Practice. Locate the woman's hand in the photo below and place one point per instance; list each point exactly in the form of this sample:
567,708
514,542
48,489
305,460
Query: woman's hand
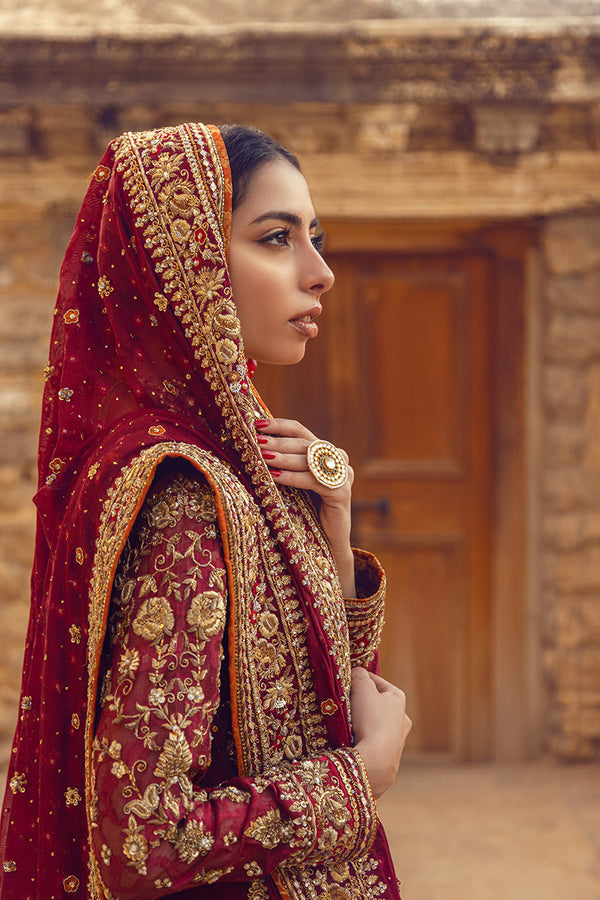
380,726
283,444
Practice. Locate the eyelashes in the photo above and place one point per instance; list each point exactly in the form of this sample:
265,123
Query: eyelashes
318,242
281,238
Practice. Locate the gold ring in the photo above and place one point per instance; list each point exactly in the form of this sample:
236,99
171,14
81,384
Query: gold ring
327,464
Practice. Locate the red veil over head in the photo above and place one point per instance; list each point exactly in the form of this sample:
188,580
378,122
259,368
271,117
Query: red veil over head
146,357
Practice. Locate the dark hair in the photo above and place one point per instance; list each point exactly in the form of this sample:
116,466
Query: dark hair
248,149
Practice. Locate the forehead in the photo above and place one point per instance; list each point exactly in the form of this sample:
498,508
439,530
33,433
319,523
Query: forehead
276,186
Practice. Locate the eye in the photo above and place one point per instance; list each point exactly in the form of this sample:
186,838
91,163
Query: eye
279,238
318,242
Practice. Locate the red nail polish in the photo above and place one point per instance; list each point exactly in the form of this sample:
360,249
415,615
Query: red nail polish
262,439
266,454
275,473
261,423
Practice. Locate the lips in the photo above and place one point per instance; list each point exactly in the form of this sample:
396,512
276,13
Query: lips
306,324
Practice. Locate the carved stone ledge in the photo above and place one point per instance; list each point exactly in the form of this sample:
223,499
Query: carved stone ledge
506,129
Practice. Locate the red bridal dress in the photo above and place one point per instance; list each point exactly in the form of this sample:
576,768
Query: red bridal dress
184,726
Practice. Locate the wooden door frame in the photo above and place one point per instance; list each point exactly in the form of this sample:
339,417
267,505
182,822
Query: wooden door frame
511,247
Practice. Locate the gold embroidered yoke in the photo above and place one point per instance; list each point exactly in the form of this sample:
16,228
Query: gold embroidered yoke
169,809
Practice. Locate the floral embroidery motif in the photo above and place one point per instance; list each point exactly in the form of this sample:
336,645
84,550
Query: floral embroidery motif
71,884
18,783
193,841
269,830
9,865
75,633
154,619
161,301
79,556
135,846
101,173
57,465
75,721
71,317
72,796
92,470
26,703
104,286
87,258
156,430
65,394
329,707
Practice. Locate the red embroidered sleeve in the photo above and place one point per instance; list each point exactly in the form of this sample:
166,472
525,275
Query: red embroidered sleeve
168,811
365,612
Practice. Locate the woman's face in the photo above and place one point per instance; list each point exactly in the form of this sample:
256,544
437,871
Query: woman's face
277,273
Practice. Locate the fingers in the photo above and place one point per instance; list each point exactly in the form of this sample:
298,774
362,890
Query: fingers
288,428
283,444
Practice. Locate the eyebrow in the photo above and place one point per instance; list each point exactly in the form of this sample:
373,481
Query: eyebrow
289,217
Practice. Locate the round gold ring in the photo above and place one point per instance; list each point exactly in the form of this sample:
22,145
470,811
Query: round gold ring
327,464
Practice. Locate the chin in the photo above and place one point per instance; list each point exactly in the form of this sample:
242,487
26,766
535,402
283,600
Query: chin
281,358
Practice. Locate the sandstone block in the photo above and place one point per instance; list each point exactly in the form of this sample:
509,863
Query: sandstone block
564,445
573,339
565,391
564,489
574,572
568,531
575,669
571,243
576,293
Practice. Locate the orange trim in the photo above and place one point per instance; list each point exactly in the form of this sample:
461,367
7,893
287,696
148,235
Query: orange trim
227,184
280,886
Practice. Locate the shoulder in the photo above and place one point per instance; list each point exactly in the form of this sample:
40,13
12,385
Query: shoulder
178,489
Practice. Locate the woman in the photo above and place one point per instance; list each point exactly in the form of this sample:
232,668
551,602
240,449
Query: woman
192,669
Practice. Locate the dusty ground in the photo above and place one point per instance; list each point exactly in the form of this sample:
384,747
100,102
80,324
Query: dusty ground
495,832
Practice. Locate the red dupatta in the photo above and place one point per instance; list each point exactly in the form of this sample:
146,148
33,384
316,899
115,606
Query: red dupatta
146,353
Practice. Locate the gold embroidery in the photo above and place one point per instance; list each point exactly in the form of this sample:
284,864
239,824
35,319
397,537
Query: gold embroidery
72,796
71,884
269,830
101,173
192,841
104,286
18,783
329,707
154,619
75,633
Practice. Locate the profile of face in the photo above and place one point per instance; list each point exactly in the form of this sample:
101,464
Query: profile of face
277,272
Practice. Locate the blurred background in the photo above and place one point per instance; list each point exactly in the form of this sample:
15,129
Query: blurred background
453,152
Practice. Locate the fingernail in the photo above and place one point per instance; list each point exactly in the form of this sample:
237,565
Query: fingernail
275,473
261,423
267,455
262,439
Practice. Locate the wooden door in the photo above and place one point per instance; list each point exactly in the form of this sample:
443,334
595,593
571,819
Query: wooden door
403,377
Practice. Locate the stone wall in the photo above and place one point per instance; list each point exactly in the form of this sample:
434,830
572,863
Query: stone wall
570,570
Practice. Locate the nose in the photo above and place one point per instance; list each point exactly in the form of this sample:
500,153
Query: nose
318,276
